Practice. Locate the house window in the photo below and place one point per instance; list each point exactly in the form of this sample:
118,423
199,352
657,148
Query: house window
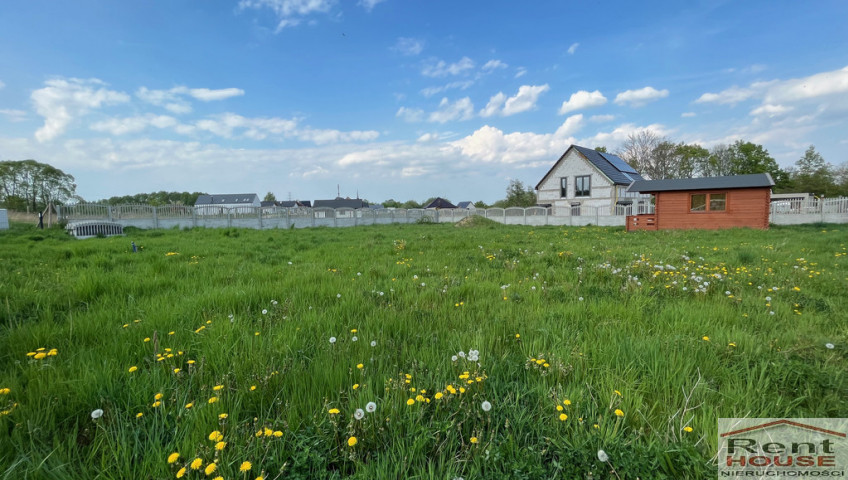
563,187
583,186
717,202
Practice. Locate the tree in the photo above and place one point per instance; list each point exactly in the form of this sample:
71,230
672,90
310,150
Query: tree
747,157
410,204
638,151
601,149
718,164
480,204
37,184
270,197
392,203
519,196
690,158
813,175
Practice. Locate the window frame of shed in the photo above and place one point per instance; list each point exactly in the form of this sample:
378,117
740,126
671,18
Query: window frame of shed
708,202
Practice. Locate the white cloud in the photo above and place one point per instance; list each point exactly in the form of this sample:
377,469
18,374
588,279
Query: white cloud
573,48
462,109
601,118
620,133
442,69
122,126
582,99
408,46
208,95
462,85
428,137
637,98
520,72
687,114
770,110
62,100
522,101
174,100
369,4
13,115
289,12
493,65
410,114
814,86
730,96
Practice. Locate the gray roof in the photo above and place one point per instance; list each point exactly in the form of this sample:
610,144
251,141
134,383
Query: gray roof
440,202
464,204
226,199
612,166
339,202
754,180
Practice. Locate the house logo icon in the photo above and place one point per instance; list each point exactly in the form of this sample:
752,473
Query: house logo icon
782,447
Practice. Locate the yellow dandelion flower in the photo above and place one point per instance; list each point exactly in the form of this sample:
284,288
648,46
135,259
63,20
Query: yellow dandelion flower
245,466
218,478
217,387
40,355
252,388
731,344
687,429
215,436
566,402
618,393
223,416
196,464
268,432
705,338
181,472
210,468
333,411
190,362
474,440
355,386
461,389
563,417
260,477
158,396
410,401
619,413
133,368
517,335
176,370
172,458
220,446
189,404
438,395
352,330
213,400
559,408
360,366
156,404
146,339
278,433
351,441
139,415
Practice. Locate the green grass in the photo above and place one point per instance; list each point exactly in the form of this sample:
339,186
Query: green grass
577,314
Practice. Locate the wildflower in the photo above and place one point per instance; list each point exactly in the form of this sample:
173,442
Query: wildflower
566,402
486,406
373,343
138,415
563,417
705,338
559,408
172,458
354,338
517,335
355,386
40,355
332,340
189,404
439,395
619,413
217,387
410,402
371,407
213,400
252,388
245,466
158,396
596,426
351,441
220,446
333,411
210,468
829,346
474,440
133,368
176,370
181,472
731,344
278,433
454,358
617,393
216,436
687,429
360,366
156,404
264,311
146,339
602,456
95,414
196,463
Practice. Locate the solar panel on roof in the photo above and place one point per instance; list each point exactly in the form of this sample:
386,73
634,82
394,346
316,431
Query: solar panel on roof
618,163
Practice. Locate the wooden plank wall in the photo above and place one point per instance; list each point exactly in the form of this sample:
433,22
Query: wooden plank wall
747,207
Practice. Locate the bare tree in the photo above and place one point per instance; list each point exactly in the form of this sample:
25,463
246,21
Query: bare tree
638,151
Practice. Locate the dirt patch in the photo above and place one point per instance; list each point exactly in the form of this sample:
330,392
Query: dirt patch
475,221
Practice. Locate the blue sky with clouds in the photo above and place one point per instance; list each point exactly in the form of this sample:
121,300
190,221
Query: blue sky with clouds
403,99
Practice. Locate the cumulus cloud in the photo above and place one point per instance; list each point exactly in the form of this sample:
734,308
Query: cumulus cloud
573,48
13,115
289,12
637,98
495,105
62,100
582,99
493,65
442,69
522,101
462,109
408,46
411,115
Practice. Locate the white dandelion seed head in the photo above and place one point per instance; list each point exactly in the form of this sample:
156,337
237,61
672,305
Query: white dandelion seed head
461,354
454,358
580,298
290,263
829,346
768,299
359,414
264,312
602,456
95,414
423,284
338,295
273,302
473,358
486,406
381,294
774,289
332,339
373,343
354,338
358,274
771,313
415,277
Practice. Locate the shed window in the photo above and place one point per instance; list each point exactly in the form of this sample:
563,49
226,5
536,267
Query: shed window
583,186
708,202
563,187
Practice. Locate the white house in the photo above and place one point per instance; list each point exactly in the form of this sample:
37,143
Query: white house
219,203
585,182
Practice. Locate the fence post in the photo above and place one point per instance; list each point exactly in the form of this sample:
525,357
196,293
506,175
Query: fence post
525,216
193,217
355,218
229,218
155,218
288,218
109,210
260,218
546,215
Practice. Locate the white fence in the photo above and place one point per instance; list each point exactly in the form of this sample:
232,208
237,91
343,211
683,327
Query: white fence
834,210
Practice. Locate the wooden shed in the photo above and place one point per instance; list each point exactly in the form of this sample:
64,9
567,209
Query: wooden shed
736,201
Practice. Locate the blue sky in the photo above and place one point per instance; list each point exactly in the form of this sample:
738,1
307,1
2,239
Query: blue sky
403,99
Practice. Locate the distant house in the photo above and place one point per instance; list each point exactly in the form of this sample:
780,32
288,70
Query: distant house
440,202
221,203
583,177
466,205
294,203
708,203
339,202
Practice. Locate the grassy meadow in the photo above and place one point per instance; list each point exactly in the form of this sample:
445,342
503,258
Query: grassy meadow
410,351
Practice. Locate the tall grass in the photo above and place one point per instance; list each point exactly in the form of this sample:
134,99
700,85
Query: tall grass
671,329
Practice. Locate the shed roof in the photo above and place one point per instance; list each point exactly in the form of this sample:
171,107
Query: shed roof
754,180
226,199
465,205
612,166
440,202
